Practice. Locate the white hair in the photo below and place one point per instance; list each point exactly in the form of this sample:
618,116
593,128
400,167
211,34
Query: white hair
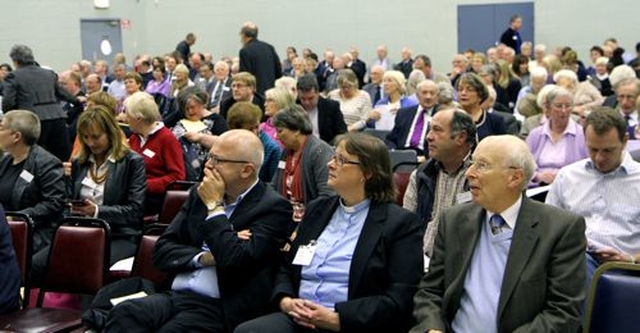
538,72
565,74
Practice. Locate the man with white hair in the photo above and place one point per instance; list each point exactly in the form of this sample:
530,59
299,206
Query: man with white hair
504,262
538,78
618,74
406,64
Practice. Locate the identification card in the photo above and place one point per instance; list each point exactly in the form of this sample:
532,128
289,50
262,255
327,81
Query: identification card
26,175
463,197
148,153
305,254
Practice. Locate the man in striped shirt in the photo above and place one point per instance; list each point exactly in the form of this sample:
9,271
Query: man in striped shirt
604,189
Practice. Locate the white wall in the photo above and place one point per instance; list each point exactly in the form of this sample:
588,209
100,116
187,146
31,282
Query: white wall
52,27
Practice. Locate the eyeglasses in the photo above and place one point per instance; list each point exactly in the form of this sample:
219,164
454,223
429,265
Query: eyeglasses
238,85
215,159
482,166
340,160
562,106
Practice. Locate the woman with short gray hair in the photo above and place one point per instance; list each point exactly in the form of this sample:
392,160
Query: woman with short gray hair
302,173
31,178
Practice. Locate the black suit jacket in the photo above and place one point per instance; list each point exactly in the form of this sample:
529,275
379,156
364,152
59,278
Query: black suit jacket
360,69
543,285
43,197
261,60
386,266
330,120
401,128
124,193
246,269
32,88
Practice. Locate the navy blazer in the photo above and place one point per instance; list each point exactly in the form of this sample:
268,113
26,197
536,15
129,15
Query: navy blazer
402,127
261,60
386,266
43,197
246,269
330,120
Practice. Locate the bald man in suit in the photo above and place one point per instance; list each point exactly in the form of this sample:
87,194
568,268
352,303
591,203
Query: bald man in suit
504,262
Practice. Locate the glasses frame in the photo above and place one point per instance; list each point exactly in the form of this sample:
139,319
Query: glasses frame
341,160
215,159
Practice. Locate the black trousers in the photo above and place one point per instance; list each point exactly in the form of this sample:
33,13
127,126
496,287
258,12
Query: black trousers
167,312
54,137
277,322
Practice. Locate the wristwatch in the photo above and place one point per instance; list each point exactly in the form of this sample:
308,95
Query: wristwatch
211,206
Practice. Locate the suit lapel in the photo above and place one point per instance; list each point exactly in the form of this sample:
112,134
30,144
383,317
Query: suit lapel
316,222
249,202
369,237
112,183
408,119
523,244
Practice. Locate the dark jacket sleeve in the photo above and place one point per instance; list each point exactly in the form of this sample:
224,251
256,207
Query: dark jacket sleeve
135,185
403,267
50,182
9,97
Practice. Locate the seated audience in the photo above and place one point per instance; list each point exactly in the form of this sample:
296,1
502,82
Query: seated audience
604,190
627,92
511,123
509,83
275,100
193,131
363,259
558,142
355,104
585,95
243,89
538,78
302,175
9,270
245,115
439,183
472,92
326,118
374,87
31,179
540,103
504,263
180,80
384,112
221,278
600,77
158,147
411,123
159,84
107,180
618,74
287,83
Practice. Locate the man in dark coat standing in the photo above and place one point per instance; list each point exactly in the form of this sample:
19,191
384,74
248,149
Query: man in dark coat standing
184,47
32,88
258,58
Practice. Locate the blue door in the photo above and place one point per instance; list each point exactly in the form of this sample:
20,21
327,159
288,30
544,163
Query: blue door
480,26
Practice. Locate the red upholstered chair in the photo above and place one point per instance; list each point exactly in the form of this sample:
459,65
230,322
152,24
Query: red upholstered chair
78,262
401,174
21,226
143,262
175,196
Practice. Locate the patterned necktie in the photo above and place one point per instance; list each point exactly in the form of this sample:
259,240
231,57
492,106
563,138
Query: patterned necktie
217,93
496,222
416,137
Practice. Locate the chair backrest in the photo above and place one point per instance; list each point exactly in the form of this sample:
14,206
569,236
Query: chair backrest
401,157
79,257
380,134
21,226
613,303
143,262
401,174
175,196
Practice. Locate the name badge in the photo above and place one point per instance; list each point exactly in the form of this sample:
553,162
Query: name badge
148,153
305,254
463,197
282,164
26,175
225,88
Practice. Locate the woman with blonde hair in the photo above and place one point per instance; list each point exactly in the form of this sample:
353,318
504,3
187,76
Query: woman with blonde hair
276,99
181,74
384,112
107,180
